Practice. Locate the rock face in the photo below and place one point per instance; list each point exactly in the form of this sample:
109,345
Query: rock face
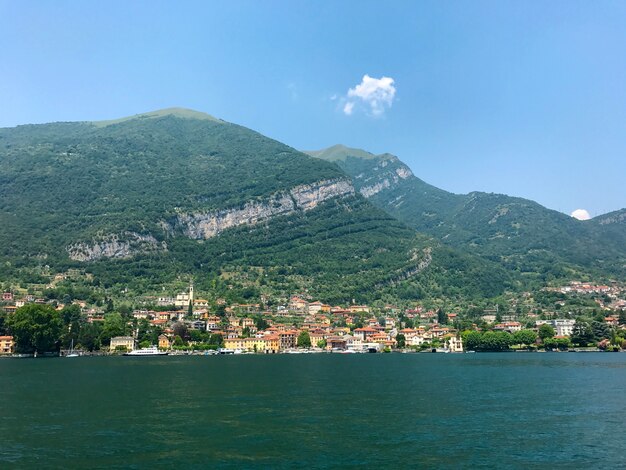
385,175
115,246
205,225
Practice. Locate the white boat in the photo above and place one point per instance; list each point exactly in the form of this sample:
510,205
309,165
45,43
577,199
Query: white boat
72,353
151,351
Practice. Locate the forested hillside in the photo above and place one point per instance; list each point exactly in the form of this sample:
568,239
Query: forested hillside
144,201
520,235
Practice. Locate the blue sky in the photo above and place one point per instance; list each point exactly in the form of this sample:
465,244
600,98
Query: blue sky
523,98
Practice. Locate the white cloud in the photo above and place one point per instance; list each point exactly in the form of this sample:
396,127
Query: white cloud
581,214
375,94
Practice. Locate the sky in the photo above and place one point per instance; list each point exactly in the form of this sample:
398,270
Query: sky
526,98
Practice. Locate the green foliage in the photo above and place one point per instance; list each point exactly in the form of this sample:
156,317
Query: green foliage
36,328
536,245
524,337
487,341
90,181
89,336
400,340
113,325
546,331
562,344
582,333
304,340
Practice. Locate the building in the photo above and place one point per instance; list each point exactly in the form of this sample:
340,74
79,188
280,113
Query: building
562,326
119,342
288,339
455,344
164,342
6,344
185,298
510,326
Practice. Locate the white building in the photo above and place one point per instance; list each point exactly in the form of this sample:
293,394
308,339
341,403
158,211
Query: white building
184,298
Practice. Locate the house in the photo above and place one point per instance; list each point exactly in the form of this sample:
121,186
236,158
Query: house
165,301
359,308
336,343
164,342
269,344
197,325
213,323
510,326
247,322
612,321
364,333
7,296
122,342
10,309
296,304
315,307
6,344
288,339
562,326
454,344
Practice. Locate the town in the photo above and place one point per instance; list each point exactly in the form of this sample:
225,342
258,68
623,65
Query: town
188,324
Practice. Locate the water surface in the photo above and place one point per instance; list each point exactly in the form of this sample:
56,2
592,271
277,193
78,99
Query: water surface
514,410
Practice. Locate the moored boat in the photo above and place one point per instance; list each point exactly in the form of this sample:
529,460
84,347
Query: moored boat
151,351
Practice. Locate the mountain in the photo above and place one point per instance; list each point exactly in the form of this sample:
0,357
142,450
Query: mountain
143,202
520,235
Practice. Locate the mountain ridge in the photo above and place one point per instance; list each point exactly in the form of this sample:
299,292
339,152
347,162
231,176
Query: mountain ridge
142,201
513,231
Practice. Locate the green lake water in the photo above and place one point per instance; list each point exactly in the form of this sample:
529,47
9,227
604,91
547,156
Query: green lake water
509,410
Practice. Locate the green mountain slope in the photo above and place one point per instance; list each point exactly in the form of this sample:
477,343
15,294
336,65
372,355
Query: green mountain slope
139,202
520,235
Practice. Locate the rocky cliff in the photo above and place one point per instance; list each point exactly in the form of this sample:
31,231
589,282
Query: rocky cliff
205,225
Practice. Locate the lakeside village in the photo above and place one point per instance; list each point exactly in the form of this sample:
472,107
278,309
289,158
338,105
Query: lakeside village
186,324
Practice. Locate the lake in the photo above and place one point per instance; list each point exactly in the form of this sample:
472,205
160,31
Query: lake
507,410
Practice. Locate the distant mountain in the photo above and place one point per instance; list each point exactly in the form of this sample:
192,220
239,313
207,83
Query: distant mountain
150,199
519,234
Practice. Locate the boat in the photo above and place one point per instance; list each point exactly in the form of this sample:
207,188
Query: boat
72,353
151,351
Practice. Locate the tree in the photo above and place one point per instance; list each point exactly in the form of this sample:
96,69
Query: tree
494,341
582,333
321,343
261,324
113,325
546,331
36,328
400,340
622,317
600,330
180,329
471,339
442,318
557,343
304,340
216,339
526,337
89,337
